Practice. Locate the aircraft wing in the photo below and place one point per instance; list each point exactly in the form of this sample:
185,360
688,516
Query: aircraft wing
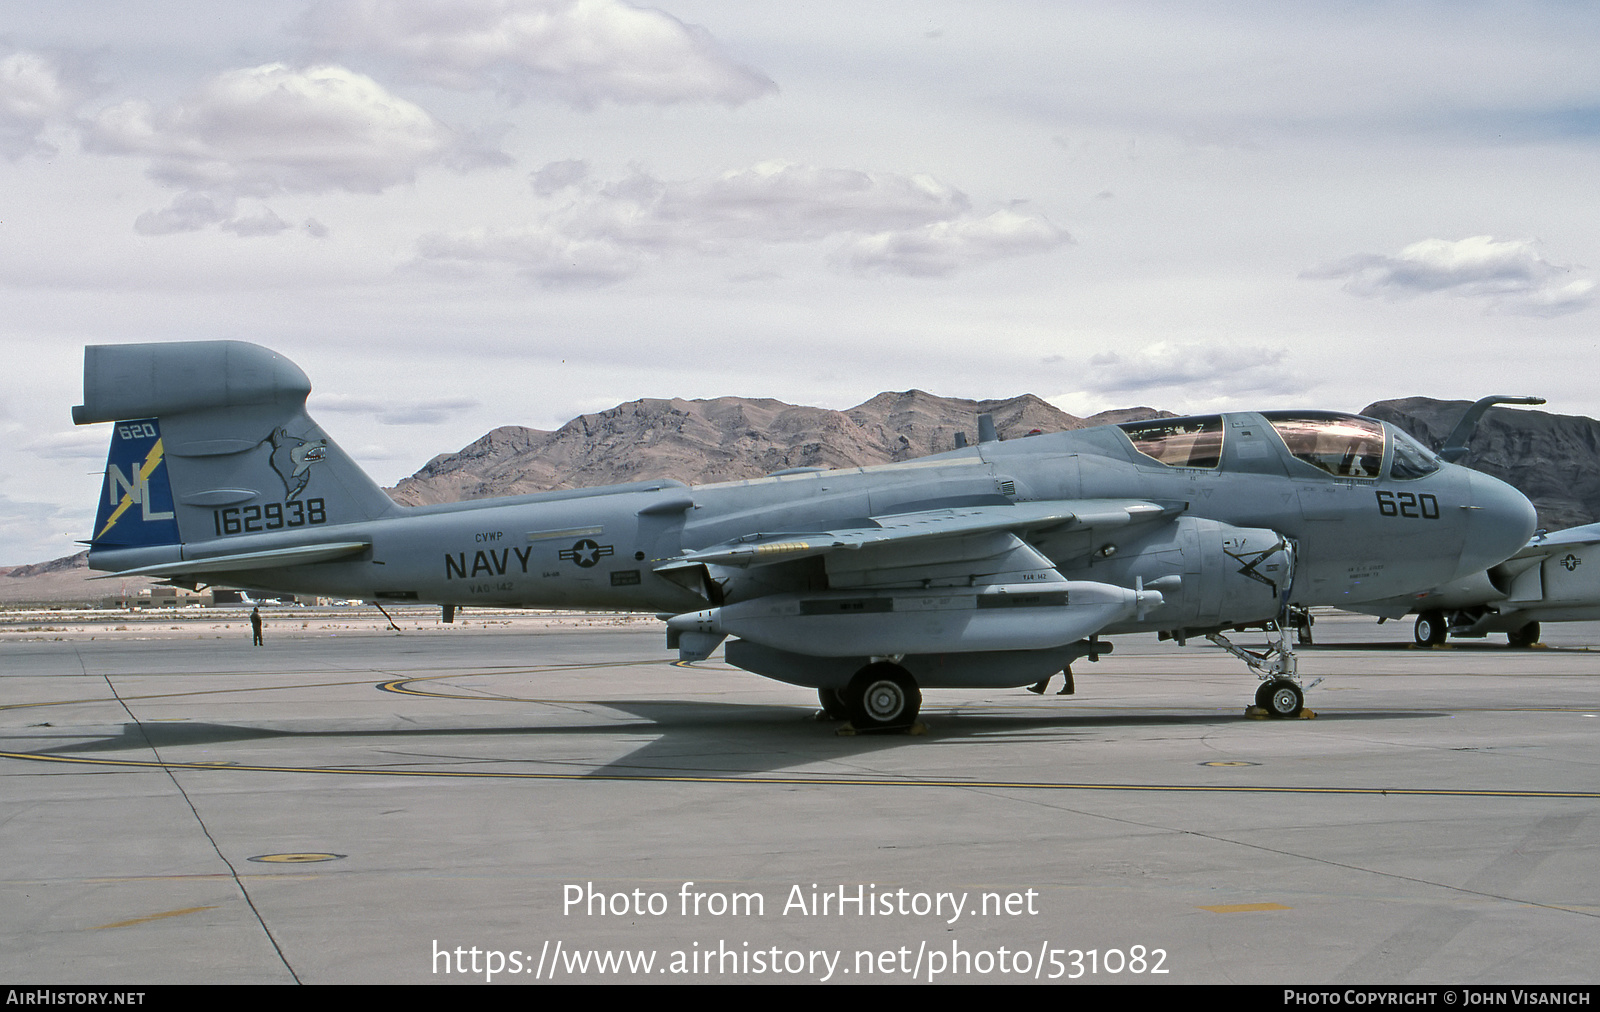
916,528
1572,537
952,580
1545,545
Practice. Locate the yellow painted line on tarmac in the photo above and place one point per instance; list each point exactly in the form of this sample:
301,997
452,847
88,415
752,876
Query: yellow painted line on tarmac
152,917
1246,908
804,781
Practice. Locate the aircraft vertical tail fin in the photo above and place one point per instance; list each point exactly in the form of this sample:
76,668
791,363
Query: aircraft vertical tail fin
212,442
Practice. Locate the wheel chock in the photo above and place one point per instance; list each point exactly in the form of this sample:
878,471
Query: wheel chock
1254,712
849,729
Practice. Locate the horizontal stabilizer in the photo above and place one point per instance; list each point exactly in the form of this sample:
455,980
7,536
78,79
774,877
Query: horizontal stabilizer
142,380
277,558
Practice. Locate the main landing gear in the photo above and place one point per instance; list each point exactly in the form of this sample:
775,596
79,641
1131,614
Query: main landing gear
1523,638
881,697
1434,627
833,707
1431,629
1280,694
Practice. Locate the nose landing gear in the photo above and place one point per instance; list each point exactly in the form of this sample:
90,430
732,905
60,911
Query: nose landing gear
1280,694
1281,698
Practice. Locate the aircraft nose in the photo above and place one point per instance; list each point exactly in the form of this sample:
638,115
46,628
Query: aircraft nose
1500,520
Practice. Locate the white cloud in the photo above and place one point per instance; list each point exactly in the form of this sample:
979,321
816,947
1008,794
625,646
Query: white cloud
40,531
430,412
582,51
604,232
35,94
188,212
557,176
87,443
1509,275
781,202
542,252
1187,372
271,130
265,223
944,246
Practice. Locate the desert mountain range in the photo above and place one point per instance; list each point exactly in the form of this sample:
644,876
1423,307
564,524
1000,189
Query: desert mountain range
1553,459
724,439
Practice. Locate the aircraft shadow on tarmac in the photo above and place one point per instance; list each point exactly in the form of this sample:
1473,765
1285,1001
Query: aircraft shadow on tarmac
690,737
1471,646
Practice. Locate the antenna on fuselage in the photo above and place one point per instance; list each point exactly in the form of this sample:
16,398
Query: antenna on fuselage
1455,444
986,433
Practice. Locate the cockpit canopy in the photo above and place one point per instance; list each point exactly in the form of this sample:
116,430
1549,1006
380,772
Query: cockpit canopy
1179,442
1345,446
1411,459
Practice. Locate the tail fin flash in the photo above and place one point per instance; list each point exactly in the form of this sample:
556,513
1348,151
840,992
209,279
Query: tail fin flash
222,447
136,500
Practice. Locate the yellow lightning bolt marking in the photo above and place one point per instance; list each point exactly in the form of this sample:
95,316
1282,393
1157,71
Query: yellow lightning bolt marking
151,462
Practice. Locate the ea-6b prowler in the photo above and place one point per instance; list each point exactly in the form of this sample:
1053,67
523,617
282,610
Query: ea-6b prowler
997,564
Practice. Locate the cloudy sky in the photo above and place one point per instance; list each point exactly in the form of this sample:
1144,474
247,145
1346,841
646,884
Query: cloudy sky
458,214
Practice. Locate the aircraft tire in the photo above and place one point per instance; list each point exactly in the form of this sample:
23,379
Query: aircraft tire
1523,638
1264,695
833,704
882,696
1284,699
1431,629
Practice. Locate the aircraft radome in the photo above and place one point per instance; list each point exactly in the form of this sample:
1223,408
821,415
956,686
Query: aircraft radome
997,564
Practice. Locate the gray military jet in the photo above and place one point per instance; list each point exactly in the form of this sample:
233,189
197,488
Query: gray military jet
1553,578
997,564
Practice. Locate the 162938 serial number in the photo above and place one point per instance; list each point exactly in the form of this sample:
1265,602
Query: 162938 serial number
272,516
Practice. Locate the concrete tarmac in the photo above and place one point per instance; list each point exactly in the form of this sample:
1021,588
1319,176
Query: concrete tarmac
522,799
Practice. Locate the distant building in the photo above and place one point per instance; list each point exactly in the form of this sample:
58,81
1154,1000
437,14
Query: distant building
169,597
